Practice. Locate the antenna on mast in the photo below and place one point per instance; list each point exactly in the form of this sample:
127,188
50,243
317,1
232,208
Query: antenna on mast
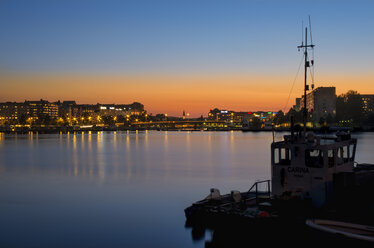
306,65
310,30
312,60
302,34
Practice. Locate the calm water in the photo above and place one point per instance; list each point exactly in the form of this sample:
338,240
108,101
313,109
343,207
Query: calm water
123,189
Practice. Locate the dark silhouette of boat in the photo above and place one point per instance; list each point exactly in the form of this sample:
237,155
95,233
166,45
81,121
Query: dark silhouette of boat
313,176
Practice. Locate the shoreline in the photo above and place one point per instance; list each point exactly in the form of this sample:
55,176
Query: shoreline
77,129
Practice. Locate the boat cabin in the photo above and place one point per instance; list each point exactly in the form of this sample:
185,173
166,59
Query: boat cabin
304,166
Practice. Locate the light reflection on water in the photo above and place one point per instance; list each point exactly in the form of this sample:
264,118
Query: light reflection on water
122,189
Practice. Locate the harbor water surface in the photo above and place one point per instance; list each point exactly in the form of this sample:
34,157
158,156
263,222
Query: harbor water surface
123,189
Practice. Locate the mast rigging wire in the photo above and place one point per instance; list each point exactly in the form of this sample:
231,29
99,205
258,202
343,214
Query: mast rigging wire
293,84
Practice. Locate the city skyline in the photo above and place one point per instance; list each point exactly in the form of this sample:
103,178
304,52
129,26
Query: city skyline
321,99
173,56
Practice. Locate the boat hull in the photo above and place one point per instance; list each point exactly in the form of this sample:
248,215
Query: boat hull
339,229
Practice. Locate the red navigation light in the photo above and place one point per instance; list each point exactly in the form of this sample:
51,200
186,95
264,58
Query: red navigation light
249,113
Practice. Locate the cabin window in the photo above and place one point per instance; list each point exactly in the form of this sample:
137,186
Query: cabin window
314,158
282,156
276,156
331,158
352,150
342,155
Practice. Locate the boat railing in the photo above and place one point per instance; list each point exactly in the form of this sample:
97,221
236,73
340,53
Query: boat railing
255,187
252,196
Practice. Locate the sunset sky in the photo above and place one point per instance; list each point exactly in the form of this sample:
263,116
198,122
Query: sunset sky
175,55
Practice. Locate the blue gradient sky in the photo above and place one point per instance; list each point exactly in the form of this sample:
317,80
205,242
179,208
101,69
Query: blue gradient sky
194,37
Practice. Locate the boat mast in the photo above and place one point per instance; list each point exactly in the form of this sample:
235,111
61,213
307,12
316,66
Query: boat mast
306,65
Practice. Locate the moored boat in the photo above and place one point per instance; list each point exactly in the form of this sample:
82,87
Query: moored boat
349,230
311,175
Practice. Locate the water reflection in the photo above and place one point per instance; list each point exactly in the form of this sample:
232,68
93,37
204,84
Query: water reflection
123,189
75,155
112,156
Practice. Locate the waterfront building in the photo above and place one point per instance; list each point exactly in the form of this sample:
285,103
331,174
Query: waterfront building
85,110
65,108
368,103
42,108
320,103
70,109
220,115
44,111
12,111
240,117
121,109
297,105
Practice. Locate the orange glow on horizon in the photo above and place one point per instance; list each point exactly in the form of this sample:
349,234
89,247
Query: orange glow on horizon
173,94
